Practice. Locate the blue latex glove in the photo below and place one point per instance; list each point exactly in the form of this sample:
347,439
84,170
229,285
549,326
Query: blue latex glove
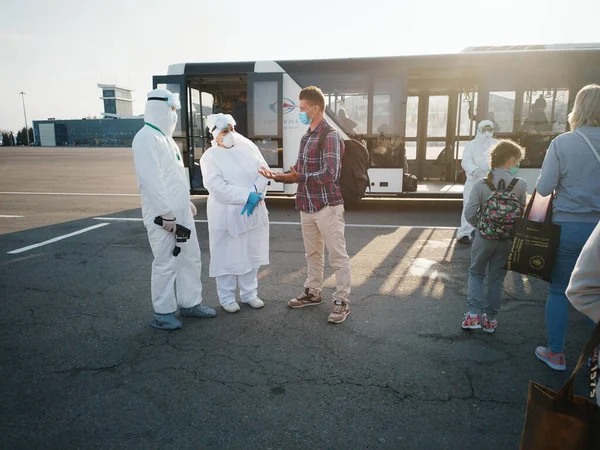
254,198
248,209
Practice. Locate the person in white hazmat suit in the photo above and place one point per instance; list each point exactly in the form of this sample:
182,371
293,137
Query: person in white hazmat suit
476,163
238,222
164,191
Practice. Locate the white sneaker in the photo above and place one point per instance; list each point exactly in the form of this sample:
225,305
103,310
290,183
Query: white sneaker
256,303
231,308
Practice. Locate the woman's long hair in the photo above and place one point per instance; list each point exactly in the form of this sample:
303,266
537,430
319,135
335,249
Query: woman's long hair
586,111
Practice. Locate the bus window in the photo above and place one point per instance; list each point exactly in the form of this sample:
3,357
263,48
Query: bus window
411,150
501,110
468,125
437,117
195,121
270,150
553,104
386,103
387,149
352,107
346,97
544,116
263,114
434,149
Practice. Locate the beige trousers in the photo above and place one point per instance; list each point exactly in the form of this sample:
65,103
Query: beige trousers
325,228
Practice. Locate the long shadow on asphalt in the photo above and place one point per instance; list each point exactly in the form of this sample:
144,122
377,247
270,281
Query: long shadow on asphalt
82,368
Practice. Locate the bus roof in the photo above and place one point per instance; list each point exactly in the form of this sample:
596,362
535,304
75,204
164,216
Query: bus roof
469,56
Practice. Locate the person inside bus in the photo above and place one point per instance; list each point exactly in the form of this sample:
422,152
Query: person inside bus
537,120
238,222
534,142
165,193
319,200
570,173
348,125
240,114
476,163
380,155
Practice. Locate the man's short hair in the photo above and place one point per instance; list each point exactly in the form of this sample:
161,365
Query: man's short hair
314,96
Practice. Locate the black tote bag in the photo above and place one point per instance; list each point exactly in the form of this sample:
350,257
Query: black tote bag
534,246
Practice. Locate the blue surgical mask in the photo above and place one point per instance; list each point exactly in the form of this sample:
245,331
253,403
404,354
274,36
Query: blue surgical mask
303,116
513,170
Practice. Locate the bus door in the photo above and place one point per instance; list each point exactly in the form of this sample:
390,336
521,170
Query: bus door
200,106
429,136
211,94
176,84
265,119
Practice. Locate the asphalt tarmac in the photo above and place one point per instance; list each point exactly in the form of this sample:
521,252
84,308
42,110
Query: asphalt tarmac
80,367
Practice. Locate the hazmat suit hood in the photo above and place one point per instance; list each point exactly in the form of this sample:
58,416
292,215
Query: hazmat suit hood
218,122
158,110
481,126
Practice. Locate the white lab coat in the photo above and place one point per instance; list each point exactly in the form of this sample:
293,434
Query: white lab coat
476,163
164,190
238,244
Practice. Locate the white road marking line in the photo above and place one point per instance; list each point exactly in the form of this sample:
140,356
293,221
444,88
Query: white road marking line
120,219
8,216
348,225
93,194
56,239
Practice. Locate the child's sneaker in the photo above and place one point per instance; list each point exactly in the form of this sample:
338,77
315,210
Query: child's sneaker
489,326
471,322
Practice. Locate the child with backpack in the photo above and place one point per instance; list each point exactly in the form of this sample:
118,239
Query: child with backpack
493,207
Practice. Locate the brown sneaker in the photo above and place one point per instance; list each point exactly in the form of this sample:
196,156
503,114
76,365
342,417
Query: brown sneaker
339,313
305,300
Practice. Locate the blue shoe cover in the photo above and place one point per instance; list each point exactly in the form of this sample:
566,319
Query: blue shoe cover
197,311
166,322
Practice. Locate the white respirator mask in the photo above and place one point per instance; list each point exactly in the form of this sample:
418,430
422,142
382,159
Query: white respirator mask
229,140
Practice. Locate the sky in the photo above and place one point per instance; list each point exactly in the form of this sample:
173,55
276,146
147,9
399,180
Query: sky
58,51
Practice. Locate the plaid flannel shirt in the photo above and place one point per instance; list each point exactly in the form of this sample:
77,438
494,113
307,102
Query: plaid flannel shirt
319,171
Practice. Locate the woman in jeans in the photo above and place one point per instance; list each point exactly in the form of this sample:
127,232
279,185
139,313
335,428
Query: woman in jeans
571,170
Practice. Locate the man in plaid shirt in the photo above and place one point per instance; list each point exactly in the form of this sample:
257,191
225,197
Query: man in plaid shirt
319,200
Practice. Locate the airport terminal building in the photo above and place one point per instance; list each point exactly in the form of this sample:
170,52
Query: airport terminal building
116,129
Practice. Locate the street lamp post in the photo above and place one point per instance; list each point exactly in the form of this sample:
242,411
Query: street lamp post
22,94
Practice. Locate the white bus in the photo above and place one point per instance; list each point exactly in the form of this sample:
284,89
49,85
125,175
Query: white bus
413,113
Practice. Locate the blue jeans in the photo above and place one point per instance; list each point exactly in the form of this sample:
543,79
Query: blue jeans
573,236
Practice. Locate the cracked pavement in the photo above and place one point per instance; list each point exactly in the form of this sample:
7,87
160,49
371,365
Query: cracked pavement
81,367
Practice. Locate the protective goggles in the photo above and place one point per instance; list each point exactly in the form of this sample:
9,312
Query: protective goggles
172,100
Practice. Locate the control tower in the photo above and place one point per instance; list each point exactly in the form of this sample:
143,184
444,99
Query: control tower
117,101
